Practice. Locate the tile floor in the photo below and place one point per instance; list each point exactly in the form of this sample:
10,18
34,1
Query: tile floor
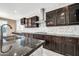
50,53
45,52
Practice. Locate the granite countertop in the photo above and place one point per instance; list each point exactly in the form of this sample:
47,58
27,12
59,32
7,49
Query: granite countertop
53,34
21,48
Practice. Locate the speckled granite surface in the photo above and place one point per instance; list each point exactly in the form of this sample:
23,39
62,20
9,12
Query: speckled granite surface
54,34
19,49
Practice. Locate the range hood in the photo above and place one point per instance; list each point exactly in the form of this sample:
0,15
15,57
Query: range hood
43,16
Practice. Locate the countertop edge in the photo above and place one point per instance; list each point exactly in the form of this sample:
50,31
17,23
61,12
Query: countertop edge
33,50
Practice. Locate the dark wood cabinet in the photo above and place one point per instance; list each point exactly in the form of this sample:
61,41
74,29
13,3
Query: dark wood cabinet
60,16
68,15
70,46
54,43
38,36
74,14
57,43
48,42
30,22
51,18
77,50
23,21
56,17
35,36
63,45
26,22
33,20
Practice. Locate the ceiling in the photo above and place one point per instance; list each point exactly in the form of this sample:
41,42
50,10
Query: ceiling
15,10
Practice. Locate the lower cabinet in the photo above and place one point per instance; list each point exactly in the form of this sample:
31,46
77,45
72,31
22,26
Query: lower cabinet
57,44
70,46
63,45
48,42
38,36
77,50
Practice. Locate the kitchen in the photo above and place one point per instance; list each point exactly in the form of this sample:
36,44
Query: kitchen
39,29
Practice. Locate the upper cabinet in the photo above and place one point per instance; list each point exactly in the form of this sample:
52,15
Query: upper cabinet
23,21
33,20
74,14
60,16
68,15
30,22
51,18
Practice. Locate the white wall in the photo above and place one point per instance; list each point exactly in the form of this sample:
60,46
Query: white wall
73,29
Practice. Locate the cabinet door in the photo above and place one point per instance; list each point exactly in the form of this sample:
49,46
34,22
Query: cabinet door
57,42
48,42
74,14
53,43
38,36
41,37
35,36
51,18
60,16
34,19
70,46
23,21
26,23
77,50
29,22
62,45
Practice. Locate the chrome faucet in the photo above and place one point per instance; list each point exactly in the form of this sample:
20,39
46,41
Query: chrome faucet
2,38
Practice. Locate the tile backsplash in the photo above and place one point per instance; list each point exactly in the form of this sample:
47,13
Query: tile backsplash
73,29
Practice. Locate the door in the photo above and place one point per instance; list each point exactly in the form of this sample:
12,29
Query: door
70,46
34,19
77,50
23,21
48,42
60,16
26,22
51,18
74,14
57,43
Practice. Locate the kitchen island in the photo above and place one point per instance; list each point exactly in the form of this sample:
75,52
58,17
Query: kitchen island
21,47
